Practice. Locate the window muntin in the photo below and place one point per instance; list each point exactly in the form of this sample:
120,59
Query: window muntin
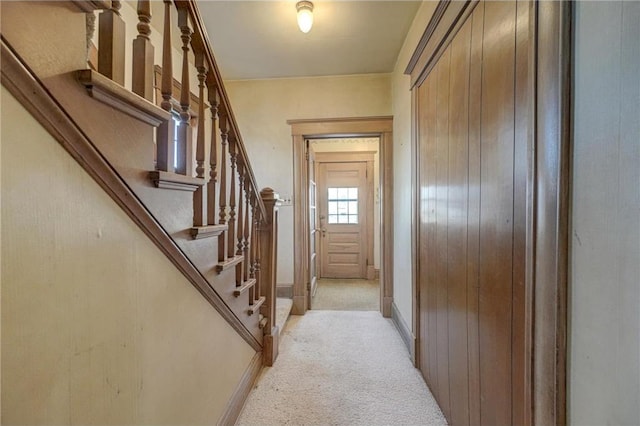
342,205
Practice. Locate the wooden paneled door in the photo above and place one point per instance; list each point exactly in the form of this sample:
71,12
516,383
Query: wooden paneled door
314,231
472,102
343,200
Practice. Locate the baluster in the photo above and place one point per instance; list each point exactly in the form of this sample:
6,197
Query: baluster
185,93
247,231
254,236
213,154
166,130
143,51
223,120
232,194
111,43
240,277
199,204
258,245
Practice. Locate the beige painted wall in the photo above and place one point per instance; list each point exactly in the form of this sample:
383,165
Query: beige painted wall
98,327
262,108
401,98
604,355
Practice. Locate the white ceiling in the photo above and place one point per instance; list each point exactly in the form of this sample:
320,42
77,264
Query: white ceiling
261,39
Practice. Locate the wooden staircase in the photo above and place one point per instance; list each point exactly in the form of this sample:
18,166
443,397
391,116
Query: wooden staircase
174,160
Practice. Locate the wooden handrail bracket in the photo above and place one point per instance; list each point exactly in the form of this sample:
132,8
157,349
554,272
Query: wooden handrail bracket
107,91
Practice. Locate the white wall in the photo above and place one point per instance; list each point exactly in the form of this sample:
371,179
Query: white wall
98,326
262,108
604,356
401,98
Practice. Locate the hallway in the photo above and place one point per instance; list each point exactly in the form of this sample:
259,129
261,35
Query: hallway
341,368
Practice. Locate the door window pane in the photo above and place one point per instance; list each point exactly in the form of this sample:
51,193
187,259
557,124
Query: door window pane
343,205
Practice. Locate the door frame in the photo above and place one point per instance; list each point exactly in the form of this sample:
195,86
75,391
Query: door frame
356,157
548,191
301,130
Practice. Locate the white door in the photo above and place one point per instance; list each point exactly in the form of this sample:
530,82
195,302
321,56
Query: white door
342,198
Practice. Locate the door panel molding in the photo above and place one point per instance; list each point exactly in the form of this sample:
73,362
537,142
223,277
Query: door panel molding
381,127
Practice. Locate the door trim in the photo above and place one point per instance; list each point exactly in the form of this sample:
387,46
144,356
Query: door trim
381,127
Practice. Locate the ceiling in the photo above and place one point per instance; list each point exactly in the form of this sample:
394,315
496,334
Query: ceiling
261,39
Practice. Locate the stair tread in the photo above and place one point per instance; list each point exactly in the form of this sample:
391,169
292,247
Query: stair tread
244,287
199,232
256,305
232,261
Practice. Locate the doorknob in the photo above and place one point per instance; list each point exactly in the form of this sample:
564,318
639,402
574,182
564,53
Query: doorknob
324,231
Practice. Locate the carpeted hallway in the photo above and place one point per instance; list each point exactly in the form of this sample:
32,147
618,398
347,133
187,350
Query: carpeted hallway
341,368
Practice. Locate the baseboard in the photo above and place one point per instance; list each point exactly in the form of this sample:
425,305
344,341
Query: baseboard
373,273
387,301
298,305
235,404
404,330
284,290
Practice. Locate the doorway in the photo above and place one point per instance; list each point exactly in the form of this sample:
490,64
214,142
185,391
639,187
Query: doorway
344,249
306,233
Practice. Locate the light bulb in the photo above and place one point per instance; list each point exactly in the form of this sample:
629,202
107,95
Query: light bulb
305,15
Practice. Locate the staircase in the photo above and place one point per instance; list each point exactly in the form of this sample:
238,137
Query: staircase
156,130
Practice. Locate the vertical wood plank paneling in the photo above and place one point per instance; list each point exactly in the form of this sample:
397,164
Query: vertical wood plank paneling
519,332
458,166
473,212
496,212
432,248
422,97
442,189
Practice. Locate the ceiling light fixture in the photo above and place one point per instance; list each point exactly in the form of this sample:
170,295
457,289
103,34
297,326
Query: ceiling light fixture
305,15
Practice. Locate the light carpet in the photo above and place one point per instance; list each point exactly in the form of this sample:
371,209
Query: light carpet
347,295
341,368
283,308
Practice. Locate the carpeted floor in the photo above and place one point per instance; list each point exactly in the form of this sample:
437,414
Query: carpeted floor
341,368
347,295
283,308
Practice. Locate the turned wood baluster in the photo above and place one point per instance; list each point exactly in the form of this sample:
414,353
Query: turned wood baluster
166,129
185,92
199,202
254,236
247,221
257,273
212,213
143,51
111,43
223,120
232,195
240,277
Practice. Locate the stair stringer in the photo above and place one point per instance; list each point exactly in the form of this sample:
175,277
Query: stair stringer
117,151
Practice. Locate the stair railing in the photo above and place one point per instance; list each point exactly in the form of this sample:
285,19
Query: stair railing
227,203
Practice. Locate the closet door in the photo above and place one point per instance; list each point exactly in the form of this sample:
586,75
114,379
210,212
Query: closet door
471,214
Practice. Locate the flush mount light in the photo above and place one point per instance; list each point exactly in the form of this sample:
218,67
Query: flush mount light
305,15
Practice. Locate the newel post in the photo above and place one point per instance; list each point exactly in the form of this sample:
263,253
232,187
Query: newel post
268,268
